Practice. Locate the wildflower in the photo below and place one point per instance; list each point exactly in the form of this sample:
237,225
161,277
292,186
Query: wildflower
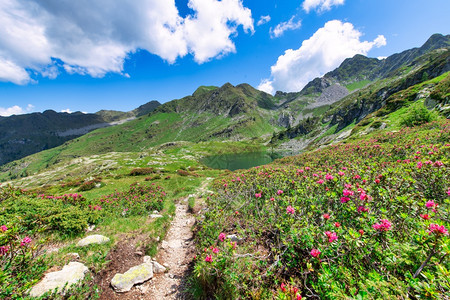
337,224
26,240
340,173
299,297
222,236
215,250
279,192
328,177
258,195
361,232
438,164
290,210
377,181
425,216
315,252
331,236
436,229
3,228
326,216
4,250
233,245
363,209
347,192
385,225
345,199
419,165
272,199
431,204
208,258
283,287
320,181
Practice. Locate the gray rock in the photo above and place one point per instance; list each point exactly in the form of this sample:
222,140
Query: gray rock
73,255
70,274
157,268
138,274
234,238
147,259
93,239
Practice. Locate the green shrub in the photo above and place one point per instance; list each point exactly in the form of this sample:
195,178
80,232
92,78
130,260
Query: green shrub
417,115
141,171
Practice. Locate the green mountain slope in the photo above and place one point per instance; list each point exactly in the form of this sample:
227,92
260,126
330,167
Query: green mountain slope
26,134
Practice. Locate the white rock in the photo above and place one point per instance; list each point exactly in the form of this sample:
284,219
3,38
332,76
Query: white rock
138,274
155,216
147,259
91,228
157,268
70,274
93,239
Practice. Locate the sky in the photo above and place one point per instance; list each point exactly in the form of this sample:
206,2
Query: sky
88,55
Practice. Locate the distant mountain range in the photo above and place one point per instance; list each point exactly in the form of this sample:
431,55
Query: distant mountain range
323,109
22,135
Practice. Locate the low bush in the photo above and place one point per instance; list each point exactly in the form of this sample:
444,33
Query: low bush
141,171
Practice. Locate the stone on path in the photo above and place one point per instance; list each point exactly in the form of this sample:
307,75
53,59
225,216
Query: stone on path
157,268
70,274
138,274
93,239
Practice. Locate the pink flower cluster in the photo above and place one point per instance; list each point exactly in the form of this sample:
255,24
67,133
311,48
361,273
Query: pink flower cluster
385,225
208,258
315,252
279,192
3,228
3,250
222,236
331,236
26,240
290,210
436,229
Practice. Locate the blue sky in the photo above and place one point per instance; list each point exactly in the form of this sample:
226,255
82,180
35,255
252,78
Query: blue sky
88,55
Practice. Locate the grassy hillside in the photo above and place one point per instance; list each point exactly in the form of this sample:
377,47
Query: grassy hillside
364,219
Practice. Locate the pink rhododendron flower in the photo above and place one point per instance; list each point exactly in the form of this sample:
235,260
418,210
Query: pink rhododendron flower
290,210
331,236
425,216
3,228
299,297
215,250
208,258
326,216
222,236
328,177
3,250
419,165
320,181
385,225
315,252
307,168
436,229
363,209
438,164
283,287
345,199
26,240
347,192
337,224
340,173
361,232
279,192
272,199
258,195
430,204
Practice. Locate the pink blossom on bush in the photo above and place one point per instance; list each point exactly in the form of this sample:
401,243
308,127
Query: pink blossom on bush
331,236
425,216
3,228
347,192
340,173
208,258
328,177
215,250
430,204
315,252
385,225
337,224
326,216
363,209
320,181
26,240
3,250
290,210
222,236
345,199
436,229
280,192
258,195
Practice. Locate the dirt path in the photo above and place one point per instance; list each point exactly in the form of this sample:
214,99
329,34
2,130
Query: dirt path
177,252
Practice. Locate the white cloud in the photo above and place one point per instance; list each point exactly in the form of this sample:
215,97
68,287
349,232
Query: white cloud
95,37
321,53
263,20
320,5
15,110
284,26
67,110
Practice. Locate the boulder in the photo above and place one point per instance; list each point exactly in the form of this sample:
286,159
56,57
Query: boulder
138,274
70,274
93,239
